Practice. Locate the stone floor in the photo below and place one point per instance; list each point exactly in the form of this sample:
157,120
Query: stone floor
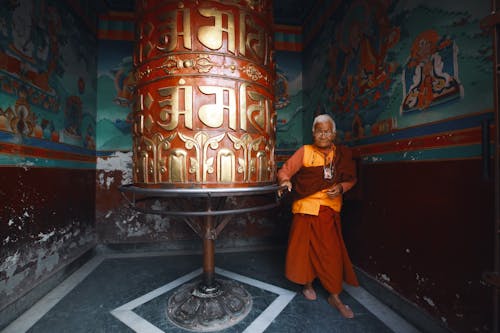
129,293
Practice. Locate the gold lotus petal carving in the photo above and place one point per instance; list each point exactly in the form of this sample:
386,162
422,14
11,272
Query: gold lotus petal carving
148,122
148,101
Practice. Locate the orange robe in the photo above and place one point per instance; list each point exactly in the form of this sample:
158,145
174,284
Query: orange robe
316,247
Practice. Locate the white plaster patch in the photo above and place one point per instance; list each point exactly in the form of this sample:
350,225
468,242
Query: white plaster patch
11,222
46,261
13,278
159,222
44,237
121,161
10,263
8,285
136,229
384,277
420,279
26,165
18,267
429,301
87,238
372,159
109,181
101,179
118,225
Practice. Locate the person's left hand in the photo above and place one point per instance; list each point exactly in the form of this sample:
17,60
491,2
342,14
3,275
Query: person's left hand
335,191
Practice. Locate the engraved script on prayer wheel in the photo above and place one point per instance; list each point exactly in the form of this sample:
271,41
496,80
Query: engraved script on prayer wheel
204,116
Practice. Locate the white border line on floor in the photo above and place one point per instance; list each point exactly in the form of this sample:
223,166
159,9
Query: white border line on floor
390,318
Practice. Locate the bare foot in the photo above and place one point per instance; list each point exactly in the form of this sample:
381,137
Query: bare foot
344,310
309,294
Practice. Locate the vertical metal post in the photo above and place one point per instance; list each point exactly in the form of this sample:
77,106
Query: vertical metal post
208,249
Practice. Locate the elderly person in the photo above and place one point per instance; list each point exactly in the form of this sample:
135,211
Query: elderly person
320,174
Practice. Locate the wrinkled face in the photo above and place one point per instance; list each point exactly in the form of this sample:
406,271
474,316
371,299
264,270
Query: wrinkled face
323,134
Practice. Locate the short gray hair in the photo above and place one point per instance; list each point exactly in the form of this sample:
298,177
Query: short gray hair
323,118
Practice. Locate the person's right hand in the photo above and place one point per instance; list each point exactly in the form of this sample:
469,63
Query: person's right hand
288,185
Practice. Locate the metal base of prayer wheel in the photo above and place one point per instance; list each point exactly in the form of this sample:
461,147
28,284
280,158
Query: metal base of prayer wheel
200,308
209,304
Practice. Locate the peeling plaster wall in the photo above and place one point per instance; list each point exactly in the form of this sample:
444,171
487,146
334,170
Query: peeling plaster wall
118,223
46,222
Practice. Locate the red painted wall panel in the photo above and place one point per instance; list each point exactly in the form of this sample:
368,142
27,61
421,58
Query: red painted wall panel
426,230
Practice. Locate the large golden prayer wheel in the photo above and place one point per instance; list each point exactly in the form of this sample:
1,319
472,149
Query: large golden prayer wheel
204,114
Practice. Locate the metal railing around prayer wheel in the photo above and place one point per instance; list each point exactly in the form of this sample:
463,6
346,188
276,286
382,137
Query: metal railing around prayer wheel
204,133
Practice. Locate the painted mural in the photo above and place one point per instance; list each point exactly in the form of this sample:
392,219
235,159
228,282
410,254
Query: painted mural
47,90
376,69
288,100
360,66
115,95
430,76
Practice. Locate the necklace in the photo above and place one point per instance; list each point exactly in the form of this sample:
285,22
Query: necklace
328,170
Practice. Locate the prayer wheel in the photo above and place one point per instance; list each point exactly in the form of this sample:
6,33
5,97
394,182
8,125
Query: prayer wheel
204,114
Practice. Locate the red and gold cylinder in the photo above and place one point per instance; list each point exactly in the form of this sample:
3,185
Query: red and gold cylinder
204,114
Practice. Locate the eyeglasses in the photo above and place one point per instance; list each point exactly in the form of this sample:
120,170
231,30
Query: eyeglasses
325,134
